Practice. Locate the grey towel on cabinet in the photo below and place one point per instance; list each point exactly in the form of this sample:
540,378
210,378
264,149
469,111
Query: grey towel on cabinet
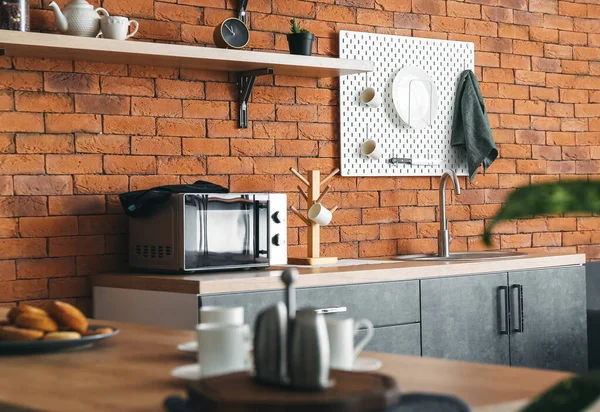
471,127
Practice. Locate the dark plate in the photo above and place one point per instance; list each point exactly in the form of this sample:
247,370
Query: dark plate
44,346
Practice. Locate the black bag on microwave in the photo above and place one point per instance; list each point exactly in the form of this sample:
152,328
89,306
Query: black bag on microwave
141,203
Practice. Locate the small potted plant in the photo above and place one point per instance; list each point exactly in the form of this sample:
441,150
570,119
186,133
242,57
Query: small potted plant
300,40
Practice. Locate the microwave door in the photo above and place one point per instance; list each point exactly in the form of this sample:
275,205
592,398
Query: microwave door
226,232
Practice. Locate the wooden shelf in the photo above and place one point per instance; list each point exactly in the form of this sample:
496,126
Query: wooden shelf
62,47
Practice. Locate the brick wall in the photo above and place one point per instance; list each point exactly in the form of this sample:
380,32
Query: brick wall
75,134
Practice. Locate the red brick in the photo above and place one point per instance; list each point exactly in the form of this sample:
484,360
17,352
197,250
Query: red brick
227,128
429,7
100,184
411,21
69,287
76,205
22,248
305,113
48,226
131,86
102,104
71,83
9,228
205,109
102,143
417,214
129,125
181,127
13,206
177,165
251,147
137,8
179,89
102,224
145,106
24,290
129,164
73,164
146,182
206,147
44,143
21,164
43,102
177,13
72,123
154,145
21,122
76,245
275,130
45,268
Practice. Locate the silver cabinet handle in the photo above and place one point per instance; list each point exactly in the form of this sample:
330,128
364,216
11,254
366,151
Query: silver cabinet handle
337,309
520,323
503,309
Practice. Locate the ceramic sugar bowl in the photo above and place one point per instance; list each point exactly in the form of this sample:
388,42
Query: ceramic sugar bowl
78,19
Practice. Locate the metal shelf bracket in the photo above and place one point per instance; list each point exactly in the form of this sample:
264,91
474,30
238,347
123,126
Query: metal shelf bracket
245,83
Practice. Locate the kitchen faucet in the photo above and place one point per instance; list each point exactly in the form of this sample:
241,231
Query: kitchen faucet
443,236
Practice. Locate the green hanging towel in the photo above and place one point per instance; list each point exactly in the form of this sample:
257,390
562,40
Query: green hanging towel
471,127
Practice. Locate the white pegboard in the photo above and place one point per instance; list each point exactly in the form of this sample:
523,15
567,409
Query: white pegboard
443,61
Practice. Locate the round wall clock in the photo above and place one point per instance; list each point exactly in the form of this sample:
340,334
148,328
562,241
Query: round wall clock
232,34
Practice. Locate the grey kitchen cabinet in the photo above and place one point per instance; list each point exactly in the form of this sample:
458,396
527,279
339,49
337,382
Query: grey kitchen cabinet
534,318
549,330
386,303
460,318
400,339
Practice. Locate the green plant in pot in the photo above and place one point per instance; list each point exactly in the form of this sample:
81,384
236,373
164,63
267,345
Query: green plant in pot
300,40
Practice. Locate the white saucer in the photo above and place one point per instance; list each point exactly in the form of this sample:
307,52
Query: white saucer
189,347
366,365
188,372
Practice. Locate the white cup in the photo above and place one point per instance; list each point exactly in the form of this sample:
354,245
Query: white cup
222,314
320,214
371,149
341,333
223,348
370,97
115,27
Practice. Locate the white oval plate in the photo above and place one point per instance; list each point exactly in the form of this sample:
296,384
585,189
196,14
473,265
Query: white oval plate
366,365
415,97
187,372
189,347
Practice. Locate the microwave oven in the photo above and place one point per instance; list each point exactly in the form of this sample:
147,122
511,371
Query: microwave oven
193,232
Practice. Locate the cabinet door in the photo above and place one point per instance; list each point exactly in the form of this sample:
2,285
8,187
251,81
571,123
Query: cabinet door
463,317
554,328
401,339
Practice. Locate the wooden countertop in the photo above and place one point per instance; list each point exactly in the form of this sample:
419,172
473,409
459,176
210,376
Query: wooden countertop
242,281
132,372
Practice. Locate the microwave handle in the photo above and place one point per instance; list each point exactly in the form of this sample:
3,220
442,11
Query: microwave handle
257,228
234,200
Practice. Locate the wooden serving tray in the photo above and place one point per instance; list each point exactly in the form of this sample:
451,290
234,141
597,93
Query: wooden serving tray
238,392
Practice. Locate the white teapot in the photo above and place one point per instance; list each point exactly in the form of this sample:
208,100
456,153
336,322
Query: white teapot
79,18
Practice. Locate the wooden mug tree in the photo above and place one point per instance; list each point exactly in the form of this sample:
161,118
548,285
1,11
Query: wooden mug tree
313,195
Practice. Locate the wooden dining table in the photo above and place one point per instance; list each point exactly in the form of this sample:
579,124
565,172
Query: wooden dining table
132,372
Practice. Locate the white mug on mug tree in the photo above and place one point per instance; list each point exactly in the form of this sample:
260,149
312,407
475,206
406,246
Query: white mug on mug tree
117,28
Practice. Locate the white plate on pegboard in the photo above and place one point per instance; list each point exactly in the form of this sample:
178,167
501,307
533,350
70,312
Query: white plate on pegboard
415,97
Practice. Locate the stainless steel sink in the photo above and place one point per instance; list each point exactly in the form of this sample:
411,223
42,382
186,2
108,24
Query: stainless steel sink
484,255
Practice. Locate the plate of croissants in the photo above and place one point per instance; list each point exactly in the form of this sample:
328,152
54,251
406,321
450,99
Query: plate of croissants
28,329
